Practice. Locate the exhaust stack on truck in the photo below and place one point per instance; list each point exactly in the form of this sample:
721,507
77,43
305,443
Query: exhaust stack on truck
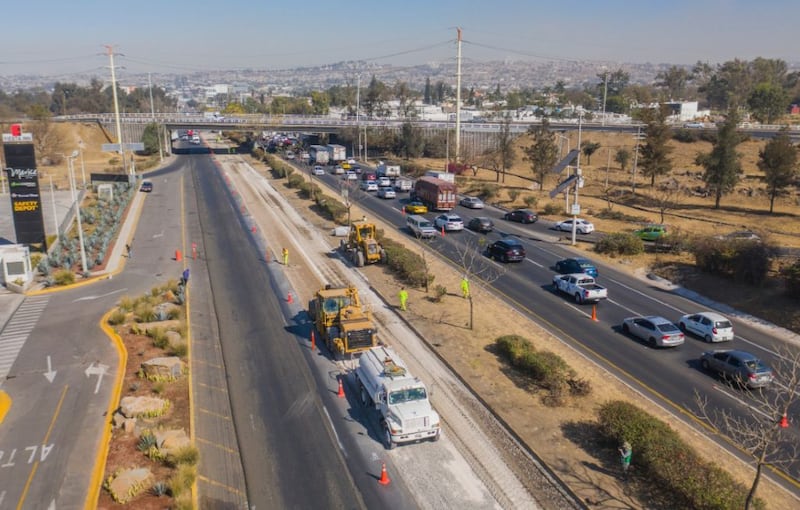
402,399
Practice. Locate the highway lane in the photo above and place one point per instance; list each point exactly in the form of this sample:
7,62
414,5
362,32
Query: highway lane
669,376
291,455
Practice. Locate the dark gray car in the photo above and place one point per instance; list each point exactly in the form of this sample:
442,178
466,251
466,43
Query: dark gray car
739,367
481,224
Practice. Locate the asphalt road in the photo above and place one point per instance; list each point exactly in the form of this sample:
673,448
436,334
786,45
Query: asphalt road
670,377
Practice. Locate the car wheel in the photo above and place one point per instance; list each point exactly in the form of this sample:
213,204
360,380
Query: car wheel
708,339
359,259
578,298
387,438
704,364
682,327
653,341
364,395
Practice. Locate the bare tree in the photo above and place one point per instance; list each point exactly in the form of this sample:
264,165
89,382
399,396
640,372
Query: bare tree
758,430
473,266
668,197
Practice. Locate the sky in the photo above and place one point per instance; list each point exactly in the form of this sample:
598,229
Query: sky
51,37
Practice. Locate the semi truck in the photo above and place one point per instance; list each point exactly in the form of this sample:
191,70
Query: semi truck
318,154
336,152
437,194
386,384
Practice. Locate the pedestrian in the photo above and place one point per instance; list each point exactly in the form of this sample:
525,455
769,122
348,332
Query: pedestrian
625,453
403,298
285,253
128,250
465,287
185,277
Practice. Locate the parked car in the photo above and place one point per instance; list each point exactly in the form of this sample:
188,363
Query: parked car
581,226
147,186
450,222
521,216
481,224
655,330
508,249
739,367
384,181
576,265
386,192
318,170
369,186
710,326
651,232
472,202
416,207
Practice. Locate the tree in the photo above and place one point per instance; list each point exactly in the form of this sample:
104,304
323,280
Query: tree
768,101
623,157
374,101
722,165
668,198
654,158
469,258
320,103
46,139
503,153
410,143
588,148
778,161
673,81
405,97
542,154
428,95
151,138
759,431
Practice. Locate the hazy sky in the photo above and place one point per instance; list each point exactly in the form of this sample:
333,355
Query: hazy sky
58,36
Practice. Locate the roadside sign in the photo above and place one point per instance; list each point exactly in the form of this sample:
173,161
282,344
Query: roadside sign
115,147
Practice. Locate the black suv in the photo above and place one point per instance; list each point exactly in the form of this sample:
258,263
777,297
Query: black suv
522,216
506,250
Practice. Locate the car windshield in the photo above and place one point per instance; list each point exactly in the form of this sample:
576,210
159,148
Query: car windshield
407,395
585,264
667,328
426,224
755,365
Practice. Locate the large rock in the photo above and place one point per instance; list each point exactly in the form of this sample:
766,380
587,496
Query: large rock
167,368
129,483
174,337
170,441
143,407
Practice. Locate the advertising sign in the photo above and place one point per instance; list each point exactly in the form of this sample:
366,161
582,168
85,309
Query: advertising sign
23,185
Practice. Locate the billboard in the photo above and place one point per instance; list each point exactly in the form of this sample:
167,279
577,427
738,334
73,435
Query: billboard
23,185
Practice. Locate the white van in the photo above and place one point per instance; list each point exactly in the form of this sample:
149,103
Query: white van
420,227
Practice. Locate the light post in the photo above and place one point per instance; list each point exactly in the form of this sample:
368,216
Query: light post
83,164
576,208
70,159
605,92
53,203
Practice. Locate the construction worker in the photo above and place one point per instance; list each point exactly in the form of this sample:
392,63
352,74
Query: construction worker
625,454
285,253
465,287
403,298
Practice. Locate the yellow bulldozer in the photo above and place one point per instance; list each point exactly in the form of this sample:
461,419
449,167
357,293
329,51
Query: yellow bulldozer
362,246
341,321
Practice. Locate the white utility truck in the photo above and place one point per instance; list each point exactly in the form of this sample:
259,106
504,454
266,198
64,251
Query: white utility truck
402,399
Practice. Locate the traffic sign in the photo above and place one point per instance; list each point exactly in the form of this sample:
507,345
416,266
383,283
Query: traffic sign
115,147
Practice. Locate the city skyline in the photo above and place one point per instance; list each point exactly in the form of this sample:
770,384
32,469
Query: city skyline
202,36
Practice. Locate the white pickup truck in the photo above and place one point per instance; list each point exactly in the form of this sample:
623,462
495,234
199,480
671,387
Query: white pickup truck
581,286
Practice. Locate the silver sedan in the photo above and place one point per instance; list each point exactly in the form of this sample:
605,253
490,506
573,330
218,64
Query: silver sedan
657,331
472,202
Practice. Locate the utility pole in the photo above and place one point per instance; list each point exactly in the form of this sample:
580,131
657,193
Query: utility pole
635,158
605,92
110,50
575,206
358,113
458,96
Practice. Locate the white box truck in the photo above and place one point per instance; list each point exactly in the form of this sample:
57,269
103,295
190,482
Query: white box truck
384,170
402,399
337,152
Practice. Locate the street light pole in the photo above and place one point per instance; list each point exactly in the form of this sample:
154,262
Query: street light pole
77,209
605,92
83,164
575,205
53,203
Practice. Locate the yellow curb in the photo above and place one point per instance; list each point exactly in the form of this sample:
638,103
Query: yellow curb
96,480
5,405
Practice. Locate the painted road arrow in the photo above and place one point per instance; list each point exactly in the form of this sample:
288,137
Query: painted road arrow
99,371
50,374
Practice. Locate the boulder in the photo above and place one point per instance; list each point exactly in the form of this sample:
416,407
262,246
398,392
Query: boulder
174,337
129,425
169,441
118,420
135,407
129,483
166,368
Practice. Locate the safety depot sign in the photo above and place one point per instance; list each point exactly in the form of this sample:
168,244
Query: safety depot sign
23,185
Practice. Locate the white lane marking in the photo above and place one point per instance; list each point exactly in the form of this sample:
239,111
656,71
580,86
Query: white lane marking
533,262
338,441
89,298
647,296
740,401
631,310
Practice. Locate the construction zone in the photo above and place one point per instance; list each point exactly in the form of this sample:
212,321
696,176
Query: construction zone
345,326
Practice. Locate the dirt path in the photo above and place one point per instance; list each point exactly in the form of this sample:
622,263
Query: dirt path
559,436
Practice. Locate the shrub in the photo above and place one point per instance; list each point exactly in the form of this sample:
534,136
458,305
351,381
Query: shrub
63,277
188,455
159,489
439,293
182,479
179,350
513,194
295,181
146,441
530,201
620,243
407,266
685,135
158,388
144,312
608,214
743,261
117,317
159,336
667,464
552,209
791,279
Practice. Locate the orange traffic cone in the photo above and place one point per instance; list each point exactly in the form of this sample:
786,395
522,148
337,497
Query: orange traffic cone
784,423
594,313
313,341
340,394
384,479
178,256
289,298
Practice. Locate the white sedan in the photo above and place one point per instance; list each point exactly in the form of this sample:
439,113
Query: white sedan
450,222
318,170
582,226
386,192
369,186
